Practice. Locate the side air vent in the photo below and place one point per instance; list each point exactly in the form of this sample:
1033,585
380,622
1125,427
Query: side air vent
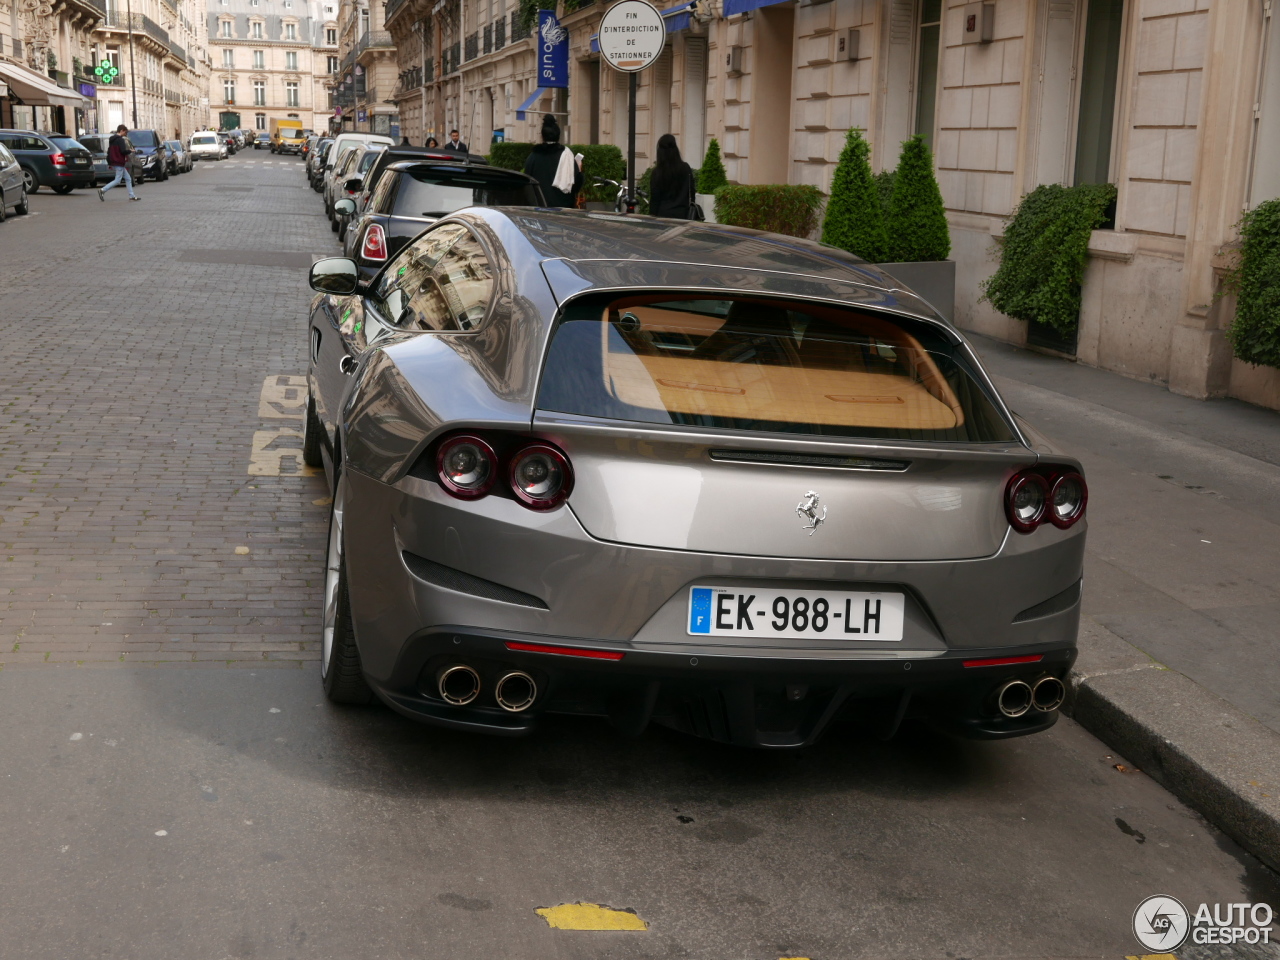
1065,600
809,460
437,574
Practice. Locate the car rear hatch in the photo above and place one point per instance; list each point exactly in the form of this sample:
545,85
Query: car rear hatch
775,428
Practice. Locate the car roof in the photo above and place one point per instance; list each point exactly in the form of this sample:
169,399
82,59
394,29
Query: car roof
436,163
605,250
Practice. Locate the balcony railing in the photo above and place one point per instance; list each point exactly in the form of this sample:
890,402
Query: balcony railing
121,21
499,33
172,96
473,46
390,9
177,50
374,38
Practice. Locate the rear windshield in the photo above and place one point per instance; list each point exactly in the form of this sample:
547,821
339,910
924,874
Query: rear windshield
425,194
368,160
772,366
205,138
142,138
66,143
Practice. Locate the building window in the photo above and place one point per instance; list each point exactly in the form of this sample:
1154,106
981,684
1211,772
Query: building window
229,91
259,93
257,30
927,68
291,31
328,10
253,3
225,26
291,60
260,121
331,36
229,58
259,60
333,64
1098,75
291,95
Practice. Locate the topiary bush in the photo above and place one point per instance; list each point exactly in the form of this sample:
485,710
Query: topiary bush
916,220
1043,256
884,187
790,209
854,220
1255,330
711,175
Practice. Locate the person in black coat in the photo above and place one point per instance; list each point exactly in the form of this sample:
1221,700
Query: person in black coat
671,185
543,161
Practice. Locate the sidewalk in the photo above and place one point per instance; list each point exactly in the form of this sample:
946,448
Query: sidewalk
1180,632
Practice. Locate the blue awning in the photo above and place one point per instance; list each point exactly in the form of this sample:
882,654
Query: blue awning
677,19
742,6
533,98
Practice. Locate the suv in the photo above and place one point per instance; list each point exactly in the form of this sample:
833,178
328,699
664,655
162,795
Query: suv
149,149
205,145
412,195
50,160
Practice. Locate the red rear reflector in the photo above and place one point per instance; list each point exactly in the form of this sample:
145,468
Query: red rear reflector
1003,661
565,651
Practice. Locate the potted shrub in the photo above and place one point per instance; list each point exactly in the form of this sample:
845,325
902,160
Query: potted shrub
711,177
854,220
918,239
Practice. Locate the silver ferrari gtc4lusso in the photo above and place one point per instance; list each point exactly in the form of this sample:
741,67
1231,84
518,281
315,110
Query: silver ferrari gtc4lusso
729,482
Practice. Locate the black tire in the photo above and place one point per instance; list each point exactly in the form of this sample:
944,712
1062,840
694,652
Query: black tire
333,224
63,189
342,232
3,208
341,672
29,177
24,206
312,438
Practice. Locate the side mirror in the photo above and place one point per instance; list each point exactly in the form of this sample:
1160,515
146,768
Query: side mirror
334,275
354,184
346,207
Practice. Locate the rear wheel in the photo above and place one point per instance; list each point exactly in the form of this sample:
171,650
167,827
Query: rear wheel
340,669
64,188
312,437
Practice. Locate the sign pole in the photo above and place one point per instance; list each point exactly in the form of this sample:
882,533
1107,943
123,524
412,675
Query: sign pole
634,79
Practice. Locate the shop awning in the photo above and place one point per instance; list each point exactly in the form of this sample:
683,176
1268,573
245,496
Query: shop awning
35,90
742,6
528,104
677,19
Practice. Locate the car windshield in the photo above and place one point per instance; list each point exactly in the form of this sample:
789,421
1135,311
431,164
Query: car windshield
438,194
142,138
368,161
774,366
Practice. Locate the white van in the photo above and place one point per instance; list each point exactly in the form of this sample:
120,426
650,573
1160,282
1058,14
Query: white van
205,145
343,144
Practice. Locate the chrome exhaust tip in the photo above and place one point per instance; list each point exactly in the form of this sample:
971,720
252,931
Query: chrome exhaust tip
1013,697
1048,693
515,691
458,684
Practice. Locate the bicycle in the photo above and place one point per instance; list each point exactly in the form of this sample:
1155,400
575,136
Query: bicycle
621,203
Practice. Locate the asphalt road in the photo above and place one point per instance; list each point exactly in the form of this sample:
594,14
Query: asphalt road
173,784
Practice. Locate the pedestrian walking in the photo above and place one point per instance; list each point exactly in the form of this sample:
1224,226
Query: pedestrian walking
433,143
671,184
554,167
454,144
118,151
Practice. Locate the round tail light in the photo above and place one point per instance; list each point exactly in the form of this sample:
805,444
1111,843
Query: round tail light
1067,500
466,466
541,477
1024,501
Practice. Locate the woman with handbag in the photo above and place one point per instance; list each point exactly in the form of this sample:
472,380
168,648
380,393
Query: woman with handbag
671,184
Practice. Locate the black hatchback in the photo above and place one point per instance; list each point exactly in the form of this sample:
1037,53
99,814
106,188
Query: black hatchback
50,160
412,195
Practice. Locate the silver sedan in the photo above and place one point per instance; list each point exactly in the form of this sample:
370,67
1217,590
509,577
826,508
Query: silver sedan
737,484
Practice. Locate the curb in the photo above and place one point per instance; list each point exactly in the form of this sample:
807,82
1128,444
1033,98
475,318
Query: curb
1202,749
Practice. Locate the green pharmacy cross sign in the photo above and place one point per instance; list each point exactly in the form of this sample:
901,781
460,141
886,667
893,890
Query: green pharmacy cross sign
105,72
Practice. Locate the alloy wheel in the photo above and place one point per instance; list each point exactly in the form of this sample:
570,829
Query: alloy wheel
29,179
332,568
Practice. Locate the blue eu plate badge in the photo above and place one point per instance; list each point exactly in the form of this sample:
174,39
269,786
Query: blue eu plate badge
700,610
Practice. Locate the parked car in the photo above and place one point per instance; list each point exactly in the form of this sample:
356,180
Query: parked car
13,186
363,159
262,140
229,142
181,159
796,474
315,162
207,145
395,154
149,149
343,144
50,160
97,144
412,195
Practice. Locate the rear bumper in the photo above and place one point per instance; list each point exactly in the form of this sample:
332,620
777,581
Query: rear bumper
747,701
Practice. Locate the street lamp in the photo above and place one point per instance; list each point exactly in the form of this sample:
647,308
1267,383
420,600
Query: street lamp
133,76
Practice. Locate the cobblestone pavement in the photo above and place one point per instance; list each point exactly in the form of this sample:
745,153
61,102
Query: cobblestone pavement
131,528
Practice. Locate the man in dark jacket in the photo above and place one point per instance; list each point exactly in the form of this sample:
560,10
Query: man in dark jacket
544,161
454,144
118,150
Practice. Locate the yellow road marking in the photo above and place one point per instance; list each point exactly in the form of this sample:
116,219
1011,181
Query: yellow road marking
272,448
283,396
1154,956
590,916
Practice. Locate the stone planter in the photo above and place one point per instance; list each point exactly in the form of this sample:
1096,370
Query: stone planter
932,280
708,203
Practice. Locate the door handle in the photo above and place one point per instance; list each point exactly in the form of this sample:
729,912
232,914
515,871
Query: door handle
347,364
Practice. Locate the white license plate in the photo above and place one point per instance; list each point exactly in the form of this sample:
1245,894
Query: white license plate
807,614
